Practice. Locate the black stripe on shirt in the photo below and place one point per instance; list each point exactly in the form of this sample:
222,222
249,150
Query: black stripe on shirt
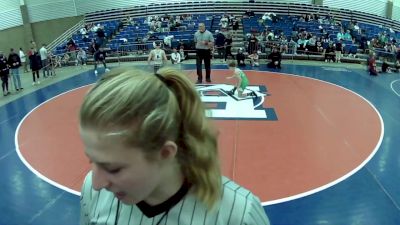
194,209
97,201
109,211
233,204
130,215
245,205
180,211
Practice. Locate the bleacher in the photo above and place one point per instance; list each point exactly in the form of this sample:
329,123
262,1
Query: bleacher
129,38
289,11
110,27
286,24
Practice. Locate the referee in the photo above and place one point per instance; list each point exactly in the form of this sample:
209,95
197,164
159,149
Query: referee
204,42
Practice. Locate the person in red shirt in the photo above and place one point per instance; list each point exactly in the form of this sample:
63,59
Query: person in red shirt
372,65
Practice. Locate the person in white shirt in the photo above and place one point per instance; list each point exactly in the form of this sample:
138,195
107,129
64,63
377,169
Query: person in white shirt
224,22
254,58
82,58
168,40
158,57
182,52
43,57
175,57
22,56
83,31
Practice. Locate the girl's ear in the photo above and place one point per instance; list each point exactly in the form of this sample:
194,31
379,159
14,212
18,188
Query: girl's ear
168,150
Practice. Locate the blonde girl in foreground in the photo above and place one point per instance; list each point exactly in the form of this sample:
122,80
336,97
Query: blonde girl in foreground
154,156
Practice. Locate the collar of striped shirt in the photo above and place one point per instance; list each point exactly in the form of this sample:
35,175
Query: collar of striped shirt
151,211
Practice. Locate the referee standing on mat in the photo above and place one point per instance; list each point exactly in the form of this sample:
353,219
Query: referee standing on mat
204,43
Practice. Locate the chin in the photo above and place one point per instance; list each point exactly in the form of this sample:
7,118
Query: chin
129,201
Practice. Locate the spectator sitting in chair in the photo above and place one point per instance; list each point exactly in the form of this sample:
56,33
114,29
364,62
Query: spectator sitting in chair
168,40
385,67
175,57
240,58
183,53
275,58
284,46
319,46
65,59
372,65
254,59
397,67
347,36
329,53
82,58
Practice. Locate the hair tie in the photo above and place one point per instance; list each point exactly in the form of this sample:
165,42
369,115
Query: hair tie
161,78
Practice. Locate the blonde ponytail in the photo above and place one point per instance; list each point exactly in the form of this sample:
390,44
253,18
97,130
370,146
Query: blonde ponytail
198,139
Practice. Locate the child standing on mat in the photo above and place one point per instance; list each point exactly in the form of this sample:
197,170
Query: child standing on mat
157,55
242,81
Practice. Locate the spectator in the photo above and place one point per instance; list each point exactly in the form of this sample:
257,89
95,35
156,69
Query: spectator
14,63
357,28
301,44
228,46
22,56
284,45
235,26
311,46
43,57
4,74
372,65
329,53
254,59
83,31
275,58
175,57
82,58
385,67
339,50
219,44
168,40
65,59
52,62
319,46
253,44
33,45
182,52
224,22
71,48
36,64
340,35
347,36
240,58
293,46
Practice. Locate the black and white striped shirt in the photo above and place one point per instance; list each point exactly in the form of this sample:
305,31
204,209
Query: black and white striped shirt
237,206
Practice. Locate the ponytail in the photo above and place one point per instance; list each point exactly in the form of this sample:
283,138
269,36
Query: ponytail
197,140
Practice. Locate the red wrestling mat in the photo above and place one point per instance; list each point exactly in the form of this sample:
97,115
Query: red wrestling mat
321,134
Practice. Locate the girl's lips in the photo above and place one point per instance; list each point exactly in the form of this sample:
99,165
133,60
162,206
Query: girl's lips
120,195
